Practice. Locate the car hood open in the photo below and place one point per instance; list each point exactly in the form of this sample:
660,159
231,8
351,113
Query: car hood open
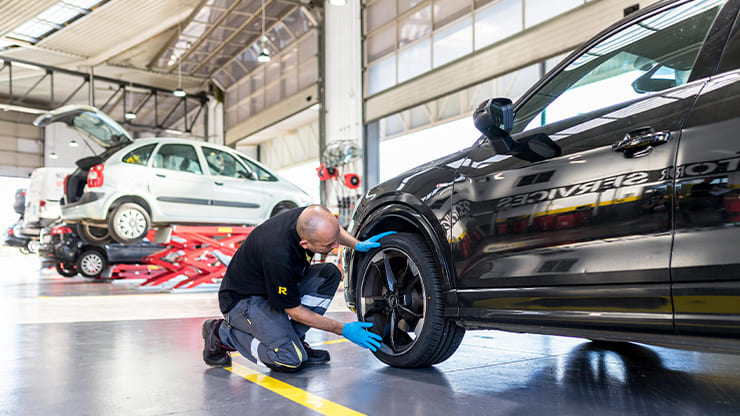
89,121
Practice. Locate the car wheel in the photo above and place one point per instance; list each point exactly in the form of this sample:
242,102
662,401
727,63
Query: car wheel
33,246
399,291
128,223
66,270
92,234
282,207
91,263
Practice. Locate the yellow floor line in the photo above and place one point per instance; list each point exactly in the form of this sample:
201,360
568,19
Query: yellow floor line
302,397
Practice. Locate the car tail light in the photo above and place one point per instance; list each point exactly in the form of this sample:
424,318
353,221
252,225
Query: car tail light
42,205
66,179
24,192
60,230
11,232
95,176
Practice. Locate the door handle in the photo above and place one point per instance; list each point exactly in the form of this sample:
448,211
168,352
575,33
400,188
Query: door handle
218,183
159,175
640,139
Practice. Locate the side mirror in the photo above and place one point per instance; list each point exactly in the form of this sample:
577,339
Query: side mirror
494,117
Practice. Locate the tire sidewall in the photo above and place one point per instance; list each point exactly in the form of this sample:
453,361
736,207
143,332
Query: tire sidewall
71,272
81,270
118,210
416,249
86,236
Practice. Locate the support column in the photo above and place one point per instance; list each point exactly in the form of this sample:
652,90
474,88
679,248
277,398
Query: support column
342,80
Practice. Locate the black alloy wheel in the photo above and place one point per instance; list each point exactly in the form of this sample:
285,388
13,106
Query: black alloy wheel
66,270
400,293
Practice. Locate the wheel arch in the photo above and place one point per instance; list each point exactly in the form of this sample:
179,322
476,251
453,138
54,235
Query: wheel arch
284,204
131,198
402,217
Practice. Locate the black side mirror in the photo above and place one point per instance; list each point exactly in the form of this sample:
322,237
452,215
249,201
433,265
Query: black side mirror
494,117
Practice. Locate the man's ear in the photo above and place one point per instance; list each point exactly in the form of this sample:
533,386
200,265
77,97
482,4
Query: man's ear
304,244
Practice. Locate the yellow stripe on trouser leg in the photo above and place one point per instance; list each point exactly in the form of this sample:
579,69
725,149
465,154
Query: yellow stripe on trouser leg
302,397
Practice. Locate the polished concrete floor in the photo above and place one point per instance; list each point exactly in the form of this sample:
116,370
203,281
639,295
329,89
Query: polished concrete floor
74,347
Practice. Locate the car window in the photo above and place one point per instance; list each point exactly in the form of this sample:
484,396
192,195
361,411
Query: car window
225,164
179,157
262,174
139,156
651,55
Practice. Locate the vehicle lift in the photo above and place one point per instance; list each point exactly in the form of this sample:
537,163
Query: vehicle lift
195,259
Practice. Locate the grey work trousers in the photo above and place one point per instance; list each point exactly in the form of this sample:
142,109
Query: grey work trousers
265,335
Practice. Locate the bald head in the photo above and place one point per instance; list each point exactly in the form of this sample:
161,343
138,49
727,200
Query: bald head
318,228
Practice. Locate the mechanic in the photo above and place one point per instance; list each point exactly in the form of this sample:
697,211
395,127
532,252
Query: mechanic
271,294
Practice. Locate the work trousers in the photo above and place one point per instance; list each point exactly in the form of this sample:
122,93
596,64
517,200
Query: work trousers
265,335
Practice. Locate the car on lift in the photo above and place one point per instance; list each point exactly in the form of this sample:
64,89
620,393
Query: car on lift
136,184
63,249
604,204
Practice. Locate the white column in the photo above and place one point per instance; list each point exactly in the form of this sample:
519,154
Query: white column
343,81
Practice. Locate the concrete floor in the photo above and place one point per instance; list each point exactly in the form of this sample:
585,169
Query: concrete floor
76,347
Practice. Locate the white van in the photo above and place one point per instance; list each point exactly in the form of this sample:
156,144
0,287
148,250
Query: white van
42,198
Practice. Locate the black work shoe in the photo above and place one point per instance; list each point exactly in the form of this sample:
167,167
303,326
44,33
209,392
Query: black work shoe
214,353
315,356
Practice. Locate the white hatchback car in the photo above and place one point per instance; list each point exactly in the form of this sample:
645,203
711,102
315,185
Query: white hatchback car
136,184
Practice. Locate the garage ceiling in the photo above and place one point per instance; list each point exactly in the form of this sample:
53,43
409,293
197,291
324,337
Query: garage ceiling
139,41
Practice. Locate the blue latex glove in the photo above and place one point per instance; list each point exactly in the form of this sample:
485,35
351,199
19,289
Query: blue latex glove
371,242
356,332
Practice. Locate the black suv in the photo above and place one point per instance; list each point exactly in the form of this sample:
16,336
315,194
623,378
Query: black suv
604,204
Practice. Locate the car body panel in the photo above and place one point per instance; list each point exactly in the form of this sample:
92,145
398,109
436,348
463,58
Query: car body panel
599,241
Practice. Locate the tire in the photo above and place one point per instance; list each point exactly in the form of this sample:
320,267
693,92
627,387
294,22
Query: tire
282,207
92,234
128,223
91,263
33,246
65,270
407,310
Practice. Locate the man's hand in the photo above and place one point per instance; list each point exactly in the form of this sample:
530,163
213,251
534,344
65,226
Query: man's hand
356,332
371,242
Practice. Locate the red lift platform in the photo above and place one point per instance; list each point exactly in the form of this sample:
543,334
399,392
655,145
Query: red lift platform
195,259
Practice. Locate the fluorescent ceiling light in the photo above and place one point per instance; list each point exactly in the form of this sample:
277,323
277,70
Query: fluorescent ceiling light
179,93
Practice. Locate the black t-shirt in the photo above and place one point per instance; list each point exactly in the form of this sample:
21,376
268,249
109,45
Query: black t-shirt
269,263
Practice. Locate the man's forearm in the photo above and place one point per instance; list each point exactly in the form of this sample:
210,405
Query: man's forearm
346,239
308,317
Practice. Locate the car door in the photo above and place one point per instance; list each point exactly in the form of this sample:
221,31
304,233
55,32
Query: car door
179,186
705,265
584,238
238,196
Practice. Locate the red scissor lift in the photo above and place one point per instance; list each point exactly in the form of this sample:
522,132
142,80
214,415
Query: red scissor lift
195,258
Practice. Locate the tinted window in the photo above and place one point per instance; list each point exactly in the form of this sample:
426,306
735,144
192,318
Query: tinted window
225,164
651,55
262,174
180,157
139,156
